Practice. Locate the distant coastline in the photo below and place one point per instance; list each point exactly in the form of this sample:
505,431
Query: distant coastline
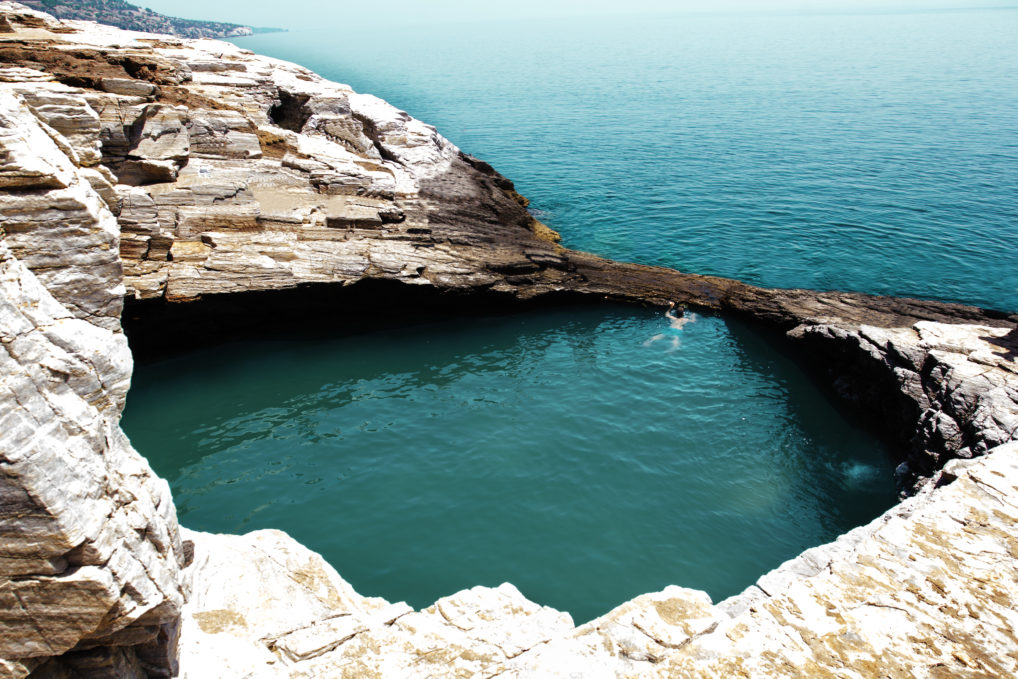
133,18
262,29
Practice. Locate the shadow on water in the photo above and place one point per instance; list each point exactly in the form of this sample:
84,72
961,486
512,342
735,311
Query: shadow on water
434,442
811,404
157,329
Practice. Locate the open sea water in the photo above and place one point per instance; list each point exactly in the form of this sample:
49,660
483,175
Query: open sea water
564,451
868,152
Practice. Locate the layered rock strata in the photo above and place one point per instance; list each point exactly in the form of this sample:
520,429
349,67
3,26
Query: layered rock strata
184,171
91,554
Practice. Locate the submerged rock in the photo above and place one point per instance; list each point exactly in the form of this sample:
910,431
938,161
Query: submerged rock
181,170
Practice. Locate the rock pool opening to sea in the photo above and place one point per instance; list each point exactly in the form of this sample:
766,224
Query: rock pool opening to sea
560,449
872,152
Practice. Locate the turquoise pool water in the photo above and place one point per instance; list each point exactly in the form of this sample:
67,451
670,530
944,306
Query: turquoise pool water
557,450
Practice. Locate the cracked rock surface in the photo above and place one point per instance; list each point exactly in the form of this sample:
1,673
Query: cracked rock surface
90,558
174,172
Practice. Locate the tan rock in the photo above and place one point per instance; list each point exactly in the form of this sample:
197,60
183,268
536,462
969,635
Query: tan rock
59,107
128,87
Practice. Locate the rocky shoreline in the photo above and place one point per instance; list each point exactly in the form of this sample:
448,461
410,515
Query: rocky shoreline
133,18
193,176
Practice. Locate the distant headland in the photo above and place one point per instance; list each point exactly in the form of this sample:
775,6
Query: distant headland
133,18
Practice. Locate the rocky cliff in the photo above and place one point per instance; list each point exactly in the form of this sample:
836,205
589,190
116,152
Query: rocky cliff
133,18
193,175
91,553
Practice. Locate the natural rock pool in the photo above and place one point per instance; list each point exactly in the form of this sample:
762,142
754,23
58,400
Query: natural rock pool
559,450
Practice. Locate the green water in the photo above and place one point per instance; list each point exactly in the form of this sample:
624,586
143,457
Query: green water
557,450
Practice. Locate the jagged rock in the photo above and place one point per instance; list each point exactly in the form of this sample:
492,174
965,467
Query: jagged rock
944,390
223,134
89,533
89,537
61,229
162,135
57,106
308,622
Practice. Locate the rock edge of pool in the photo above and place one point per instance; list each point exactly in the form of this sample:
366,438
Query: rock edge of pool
204,182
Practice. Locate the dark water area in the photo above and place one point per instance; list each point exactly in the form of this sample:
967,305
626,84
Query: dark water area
866,152
565,451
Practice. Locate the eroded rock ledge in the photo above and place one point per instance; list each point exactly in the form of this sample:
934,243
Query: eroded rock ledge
186,171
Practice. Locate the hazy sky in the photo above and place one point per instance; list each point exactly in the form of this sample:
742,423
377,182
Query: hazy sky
320,13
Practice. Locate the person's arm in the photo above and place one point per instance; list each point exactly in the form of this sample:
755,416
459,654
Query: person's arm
671,312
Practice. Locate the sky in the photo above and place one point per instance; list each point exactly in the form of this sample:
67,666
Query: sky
299,14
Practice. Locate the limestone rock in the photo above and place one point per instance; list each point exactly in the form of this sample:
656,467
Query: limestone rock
30,159
57,106
946,390
90,551
89,534
63,230
127,86
303,620
325,184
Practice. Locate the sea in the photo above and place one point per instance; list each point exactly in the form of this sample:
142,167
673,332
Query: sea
574,452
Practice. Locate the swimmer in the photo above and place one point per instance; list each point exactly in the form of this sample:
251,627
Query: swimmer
677,321
677,318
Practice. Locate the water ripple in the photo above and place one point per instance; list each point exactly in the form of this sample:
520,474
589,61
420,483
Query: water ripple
548,448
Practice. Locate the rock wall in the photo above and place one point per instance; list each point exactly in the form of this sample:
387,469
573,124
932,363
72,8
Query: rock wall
943,391
90,560
188,171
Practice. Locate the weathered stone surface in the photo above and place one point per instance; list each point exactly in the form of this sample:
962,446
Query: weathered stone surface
944,390
61,228
59,107
327,185
232,173
128,87
89,535
29,159
308,622
89,550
